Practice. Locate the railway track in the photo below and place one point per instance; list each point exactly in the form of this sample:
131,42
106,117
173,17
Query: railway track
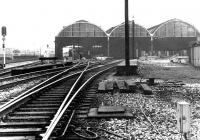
14,81
11,81
42,76
29,116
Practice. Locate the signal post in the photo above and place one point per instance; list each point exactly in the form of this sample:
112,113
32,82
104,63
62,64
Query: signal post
3,33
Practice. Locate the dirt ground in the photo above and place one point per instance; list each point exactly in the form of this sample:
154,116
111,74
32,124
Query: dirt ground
164,69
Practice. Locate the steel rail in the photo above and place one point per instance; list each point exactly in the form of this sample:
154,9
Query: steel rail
19,81
14,103
67,97
57,118
37,87
31,73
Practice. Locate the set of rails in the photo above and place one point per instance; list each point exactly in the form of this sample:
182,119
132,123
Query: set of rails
49,104
59,107
21,80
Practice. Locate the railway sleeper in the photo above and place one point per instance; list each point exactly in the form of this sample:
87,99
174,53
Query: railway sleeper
55,94
89,98
82,112
90,95
33,113
60,88
63,91
24,124
86,101
51,96
18,138
21,131
29,118
43,105
81,116
46,101
36,109
84,108
92,91
49,99
85,105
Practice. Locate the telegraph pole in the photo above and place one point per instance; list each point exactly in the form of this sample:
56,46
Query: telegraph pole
3,32
134,53
127,62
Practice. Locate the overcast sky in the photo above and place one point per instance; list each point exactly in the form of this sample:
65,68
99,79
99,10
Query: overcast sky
32,24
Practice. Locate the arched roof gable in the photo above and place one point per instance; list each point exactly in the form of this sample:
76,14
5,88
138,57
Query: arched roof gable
154,29
81,22
130,23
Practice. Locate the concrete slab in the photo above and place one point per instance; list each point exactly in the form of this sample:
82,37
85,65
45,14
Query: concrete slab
109,84
121,84
146,89
131,85
111,109
102,86
93,113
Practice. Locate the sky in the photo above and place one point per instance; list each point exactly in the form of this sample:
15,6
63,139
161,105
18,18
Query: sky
32,24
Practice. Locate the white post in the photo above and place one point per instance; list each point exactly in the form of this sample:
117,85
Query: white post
183,117
4,53
3,32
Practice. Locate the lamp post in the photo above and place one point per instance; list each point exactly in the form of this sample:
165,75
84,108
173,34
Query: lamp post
3,32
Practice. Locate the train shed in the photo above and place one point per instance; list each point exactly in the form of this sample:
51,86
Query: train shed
88,38
172,37
117,40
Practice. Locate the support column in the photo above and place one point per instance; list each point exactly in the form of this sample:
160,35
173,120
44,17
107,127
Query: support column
108,45
151,46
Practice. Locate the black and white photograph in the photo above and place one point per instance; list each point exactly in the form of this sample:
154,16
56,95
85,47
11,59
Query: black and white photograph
100,70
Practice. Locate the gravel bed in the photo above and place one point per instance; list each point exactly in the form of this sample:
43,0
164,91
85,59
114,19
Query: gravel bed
160,108
8,93
161,112
10,81
18,79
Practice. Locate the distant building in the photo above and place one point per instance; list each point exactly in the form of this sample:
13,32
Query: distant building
9,52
